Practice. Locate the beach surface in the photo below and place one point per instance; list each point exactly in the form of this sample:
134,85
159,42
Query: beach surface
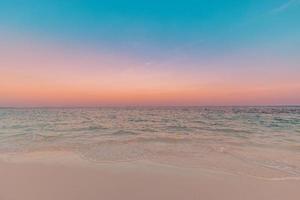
170,153
65,176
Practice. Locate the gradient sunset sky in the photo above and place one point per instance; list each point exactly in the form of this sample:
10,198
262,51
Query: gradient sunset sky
130,52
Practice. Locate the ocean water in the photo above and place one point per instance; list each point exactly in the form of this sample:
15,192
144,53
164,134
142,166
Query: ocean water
256,141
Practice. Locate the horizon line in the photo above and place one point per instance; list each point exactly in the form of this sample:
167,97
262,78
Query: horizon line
144,106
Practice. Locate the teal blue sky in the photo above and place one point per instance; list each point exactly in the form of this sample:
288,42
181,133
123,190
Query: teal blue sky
204,52
154,28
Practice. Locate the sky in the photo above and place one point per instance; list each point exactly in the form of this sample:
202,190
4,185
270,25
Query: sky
159,52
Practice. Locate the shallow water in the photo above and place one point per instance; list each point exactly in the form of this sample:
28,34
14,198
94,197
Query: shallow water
256,141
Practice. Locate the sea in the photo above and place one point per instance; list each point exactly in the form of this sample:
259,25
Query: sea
262,142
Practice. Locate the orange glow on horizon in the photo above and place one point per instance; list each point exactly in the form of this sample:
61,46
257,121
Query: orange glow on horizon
51,76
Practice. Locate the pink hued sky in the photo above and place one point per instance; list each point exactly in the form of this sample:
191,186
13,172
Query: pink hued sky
41,73
138,53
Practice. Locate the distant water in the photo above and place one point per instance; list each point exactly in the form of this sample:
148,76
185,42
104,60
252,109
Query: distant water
227,138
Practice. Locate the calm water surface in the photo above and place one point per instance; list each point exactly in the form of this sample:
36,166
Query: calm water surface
227,138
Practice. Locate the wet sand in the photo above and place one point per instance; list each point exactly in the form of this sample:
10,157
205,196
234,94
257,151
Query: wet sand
65,176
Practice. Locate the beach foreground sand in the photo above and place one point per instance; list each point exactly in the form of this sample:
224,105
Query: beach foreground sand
55,179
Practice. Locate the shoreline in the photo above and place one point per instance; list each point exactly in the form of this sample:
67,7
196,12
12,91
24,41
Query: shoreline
64,175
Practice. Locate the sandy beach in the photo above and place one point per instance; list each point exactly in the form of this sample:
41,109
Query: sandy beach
65,176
